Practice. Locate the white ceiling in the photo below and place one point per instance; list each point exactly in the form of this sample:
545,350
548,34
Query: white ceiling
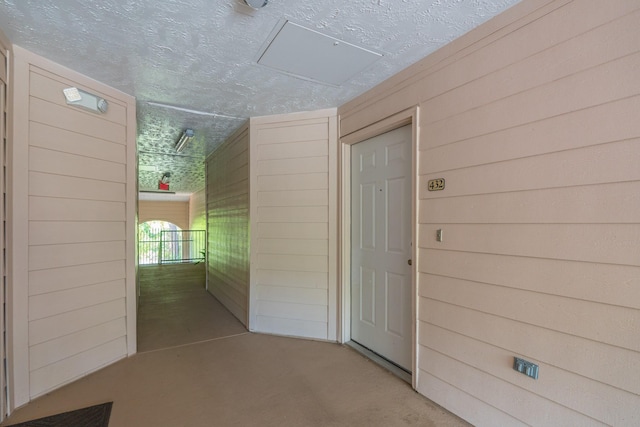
201,56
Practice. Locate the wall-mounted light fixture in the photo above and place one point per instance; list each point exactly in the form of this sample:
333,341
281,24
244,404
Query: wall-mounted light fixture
88,101
186,136
256,4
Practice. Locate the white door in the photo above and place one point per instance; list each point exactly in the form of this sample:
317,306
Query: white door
381,245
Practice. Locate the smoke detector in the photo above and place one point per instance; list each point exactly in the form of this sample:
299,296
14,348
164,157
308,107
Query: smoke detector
256,4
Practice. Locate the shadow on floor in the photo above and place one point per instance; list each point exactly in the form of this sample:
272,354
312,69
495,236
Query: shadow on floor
175,309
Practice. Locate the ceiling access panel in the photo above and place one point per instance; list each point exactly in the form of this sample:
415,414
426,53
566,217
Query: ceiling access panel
308,54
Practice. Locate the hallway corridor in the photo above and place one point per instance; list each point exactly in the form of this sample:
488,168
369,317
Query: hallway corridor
175,309
199,367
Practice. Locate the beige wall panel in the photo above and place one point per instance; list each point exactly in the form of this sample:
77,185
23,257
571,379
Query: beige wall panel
57,209
292,327
227,210
58,279
293,295
503,395
233,289
292,279
49,87
591,165
295,311
51,233
17,232
293,179
3,60
470,58
592,398
198,211
67,323
529,118
77,121
55,162
174,212
53,351
226,205
53,138
553,135
448,396
231,151
291,262
535,33
232,178
480,52
606,83
608,283
311,181
351,121
293,166
48,185
49,377
231,198
581,318
599,243
53,303
293,246
609,42
73,204
293,150
555,206
293,198
292,230
232,300
293,214
283,132
602,362
52,256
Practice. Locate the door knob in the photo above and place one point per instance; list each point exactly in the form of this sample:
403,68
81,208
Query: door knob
409,262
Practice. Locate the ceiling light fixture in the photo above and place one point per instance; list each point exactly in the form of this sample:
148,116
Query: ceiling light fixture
256,4
186,136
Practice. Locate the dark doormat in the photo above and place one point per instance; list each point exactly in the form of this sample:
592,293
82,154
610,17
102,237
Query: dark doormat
93,416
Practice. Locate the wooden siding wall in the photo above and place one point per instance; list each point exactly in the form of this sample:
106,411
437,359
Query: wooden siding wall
79,226
227,171
293,223
174,212
532,120
4,141
198,210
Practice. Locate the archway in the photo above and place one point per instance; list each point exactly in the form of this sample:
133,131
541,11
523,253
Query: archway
154,247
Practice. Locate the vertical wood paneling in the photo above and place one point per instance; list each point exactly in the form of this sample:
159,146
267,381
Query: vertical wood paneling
78,220
293,219
227,222
530,120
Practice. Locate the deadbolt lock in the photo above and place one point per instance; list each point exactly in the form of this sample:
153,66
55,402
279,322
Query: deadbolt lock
409,262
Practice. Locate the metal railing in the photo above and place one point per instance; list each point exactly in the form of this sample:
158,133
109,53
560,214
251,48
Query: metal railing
173,246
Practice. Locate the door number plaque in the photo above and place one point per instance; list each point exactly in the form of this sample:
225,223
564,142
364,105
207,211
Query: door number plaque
435,184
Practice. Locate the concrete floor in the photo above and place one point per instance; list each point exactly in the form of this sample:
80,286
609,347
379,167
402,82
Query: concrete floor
175,309
236,378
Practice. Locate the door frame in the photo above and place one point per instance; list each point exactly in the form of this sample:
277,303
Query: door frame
409,116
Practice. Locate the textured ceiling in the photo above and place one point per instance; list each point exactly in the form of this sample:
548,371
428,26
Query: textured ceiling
201,55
